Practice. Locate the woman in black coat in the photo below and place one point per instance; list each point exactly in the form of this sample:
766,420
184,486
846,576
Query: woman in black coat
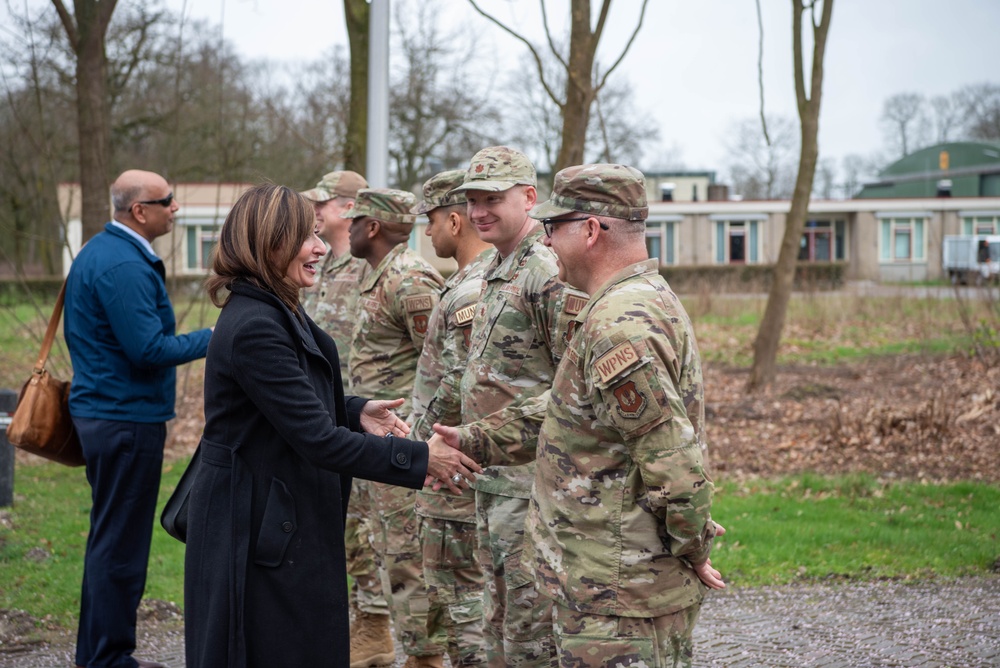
265,575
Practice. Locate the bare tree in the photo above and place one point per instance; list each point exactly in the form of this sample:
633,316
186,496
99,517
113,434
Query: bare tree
435,120
762,169
356,14
946,117
617,132
765,346
582,82
86,29
904,121
980,105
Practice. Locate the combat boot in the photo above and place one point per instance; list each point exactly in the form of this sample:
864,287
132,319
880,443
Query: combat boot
371,642
435,661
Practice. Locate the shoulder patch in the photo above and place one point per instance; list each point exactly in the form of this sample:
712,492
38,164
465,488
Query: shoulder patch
574,304
417,303
616,360
464,315
511,289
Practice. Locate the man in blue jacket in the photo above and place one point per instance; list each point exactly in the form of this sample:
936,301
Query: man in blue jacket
120,330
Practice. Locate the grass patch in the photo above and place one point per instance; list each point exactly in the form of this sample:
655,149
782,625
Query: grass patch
800,528
44,536
815,527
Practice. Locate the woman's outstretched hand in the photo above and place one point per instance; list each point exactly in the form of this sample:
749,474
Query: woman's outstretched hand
377,418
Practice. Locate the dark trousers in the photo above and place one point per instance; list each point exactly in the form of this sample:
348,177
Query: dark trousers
124,461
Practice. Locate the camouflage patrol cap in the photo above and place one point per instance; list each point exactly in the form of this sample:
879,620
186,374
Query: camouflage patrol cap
337,184
439,191
385,204
616,191
498,168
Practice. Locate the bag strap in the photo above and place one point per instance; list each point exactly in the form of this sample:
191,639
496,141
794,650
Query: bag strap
50,333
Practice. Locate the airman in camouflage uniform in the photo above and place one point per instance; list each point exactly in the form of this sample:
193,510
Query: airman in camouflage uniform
447,521
397,298
518,336
619,525
332,303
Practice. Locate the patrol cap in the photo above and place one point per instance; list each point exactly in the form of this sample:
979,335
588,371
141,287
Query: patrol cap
616,191
438,191
391,206
498,168
337,184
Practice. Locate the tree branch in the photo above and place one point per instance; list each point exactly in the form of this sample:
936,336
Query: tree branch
631,39
68,23
531,47
548,36
760,72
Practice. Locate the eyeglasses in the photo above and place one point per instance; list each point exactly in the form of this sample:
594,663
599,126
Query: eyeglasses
547,223
162,202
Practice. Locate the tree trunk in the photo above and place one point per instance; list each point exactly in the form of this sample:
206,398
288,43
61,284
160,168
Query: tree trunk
356,13
86,35
765,346
579,86
93,120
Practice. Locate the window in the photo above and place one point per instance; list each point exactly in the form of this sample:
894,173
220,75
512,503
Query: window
737,241
822,241
201,236
981,225
661,240
902,240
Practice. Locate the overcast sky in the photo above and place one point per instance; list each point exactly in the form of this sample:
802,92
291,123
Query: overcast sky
694,64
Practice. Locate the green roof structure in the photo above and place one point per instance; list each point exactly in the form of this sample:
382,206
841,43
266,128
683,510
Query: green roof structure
955,169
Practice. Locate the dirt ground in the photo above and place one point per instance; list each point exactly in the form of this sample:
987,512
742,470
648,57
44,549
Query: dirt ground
908,417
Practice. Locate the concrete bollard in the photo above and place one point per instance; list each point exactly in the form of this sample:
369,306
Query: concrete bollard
8,402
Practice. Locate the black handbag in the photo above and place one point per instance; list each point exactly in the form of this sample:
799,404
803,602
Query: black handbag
174,518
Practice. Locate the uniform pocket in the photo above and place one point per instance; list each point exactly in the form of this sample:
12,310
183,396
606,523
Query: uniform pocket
278,526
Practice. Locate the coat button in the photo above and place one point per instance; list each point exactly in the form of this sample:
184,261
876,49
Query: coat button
287,526
400,458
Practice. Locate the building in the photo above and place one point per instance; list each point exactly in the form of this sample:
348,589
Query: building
956,169
877,239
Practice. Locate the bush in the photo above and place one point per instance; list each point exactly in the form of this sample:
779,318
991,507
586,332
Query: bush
752,277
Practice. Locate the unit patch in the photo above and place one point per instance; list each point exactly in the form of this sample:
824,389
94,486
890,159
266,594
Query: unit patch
420,324
631,402
616,360
417,303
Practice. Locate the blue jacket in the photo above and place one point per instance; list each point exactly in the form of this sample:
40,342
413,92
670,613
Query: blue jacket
119,327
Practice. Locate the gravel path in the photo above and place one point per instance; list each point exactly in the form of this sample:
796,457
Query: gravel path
943,624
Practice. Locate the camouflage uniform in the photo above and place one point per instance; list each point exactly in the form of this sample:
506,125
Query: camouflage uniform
397,298
447,521
621,505
332,302
517,339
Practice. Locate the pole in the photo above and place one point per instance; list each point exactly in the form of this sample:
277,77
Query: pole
377,160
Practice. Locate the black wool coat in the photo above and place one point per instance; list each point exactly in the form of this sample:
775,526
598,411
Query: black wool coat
265,579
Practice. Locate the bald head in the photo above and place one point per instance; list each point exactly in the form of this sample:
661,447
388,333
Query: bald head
142,201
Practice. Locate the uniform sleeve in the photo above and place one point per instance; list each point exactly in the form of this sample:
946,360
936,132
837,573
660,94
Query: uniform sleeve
129,295
448,368
412,302
636,390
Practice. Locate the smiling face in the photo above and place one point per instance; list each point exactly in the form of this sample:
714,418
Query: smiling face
302,269
501,218
329,217
568,241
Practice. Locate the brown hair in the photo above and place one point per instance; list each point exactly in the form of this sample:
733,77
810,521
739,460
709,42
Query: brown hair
263,233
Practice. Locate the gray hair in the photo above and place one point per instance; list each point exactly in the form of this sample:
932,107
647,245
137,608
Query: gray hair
122,197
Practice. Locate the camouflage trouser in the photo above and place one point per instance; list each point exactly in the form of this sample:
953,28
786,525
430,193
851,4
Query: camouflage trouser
397,549
594,640
455,584
517,619
358,532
